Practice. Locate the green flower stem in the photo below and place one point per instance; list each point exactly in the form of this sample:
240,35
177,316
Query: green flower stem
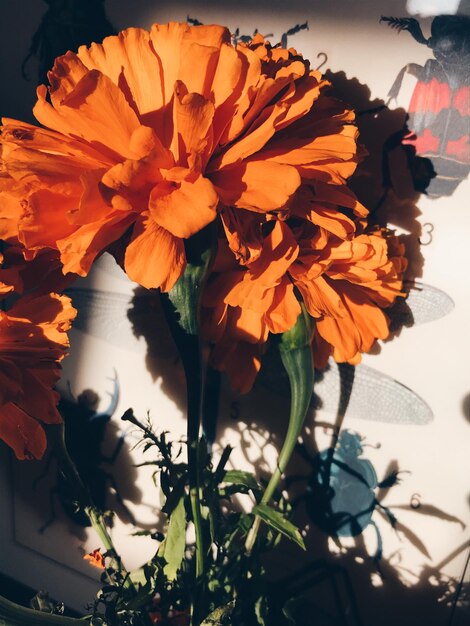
182,307
296,354
12,614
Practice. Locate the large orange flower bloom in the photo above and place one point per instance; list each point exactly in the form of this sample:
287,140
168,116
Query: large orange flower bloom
150,135
33,340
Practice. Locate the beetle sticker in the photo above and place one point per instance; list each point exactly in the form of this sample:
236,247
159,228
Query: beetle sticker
436,138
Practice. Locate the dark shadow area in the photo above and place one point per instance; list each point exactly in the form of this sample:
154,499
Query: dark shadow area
66,25
331,592
466,407
23,595
395,205
336,494
342,497
162,360
102,457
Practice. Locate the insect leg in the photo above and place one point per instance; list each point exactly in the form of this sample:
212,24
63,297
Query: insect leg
409,24
379,551
115,453
390,516
117,495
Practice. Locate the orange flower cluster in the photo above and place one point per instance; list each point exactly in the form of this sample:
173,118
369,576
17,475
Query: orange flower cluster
150,136
33,340
95,558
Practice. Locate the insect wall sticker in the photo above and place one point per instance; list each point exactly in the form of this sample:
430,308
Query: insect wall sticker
341,497
343,493
437,134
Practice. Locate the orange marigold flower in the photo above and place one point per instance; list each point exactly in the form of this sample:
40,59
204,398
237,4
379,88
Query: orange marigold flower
33,340
343,283
95,558
150,135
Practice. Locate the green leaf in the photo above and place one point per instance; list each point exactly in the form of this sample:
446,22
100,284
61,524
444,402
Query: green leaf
237,477
289,610
221,616
277,521
172,547
138,576
261,610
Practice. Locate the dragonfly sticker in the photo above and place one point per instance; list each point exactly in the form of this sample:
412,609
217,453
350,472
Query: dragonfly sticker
361,391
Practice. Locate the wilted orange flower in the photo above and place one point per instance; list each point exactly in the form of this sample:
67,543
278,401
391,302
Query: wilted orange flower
150,135
95,558
33,340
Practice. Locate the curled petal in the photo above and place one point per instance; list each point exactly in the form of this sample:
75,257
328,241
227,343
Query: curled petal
154,257
184,208
257,185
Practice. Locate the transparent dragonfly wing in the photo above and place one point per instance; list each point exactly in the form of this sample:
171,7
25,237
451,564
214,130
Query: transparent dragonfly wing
360,392
365,393
424,304
105,315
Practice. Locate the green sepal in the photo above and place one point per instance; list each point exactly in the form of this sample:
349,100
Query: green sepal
300,335
186,293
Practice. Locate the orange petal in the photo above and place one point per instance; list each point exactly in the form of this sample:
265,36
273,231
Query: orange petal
253,141
243,232
154,257
80,249
178,45
11,213
328,217
245,324
320,298
11,382
240,360
130,62
40,395
97,111
285,309
45,220
296,151
184,208
91,206
22,433
192,119
257,185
